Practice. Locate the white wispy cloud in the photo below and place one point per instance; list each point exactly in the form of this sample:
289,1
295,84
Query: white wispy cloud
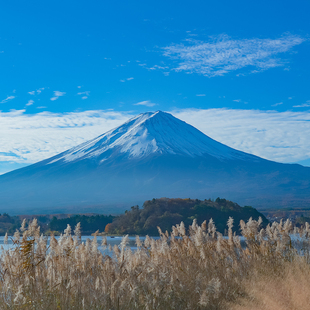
269,134
276,104
84,93
239,100
39,91
57,94
128,79
304,105
201,95
146,103
28,138
223,54
30,102
8,98
156,67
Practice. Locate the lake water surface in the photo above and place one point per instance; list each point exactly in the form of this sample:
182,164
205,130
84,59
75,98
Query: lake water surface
296,242
110,240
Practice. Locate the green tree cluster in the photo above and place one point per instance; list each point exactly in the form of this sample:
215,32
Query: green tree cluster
89,224
8,224
165,212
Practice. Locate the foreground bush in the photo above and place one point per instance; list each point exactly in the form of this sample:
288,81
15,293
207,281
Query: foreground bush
197,269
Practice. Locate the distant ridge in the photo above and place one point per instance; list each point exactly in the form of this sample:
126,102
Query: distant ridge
152,155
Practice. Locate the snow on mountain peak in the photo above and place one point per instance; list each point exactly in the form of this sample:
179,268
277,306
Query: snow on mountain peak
152,133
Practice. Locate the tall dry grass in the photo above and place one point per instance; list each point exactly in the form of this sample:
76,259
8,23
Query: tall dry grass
289,290
193,269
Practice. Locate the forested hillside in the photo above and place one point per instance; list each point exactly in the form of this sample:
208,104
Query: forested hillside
165,212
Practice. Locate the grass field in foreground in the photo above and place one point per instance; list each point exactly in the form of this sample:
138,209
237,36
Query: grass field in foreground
194,268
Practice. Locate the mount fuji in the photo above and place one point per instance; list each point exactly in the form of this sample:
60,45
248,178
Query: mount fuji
150,156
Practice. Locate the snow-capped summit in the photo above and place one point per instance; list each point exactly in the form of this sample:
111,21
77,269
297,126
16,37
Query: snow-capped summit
152,155
152,133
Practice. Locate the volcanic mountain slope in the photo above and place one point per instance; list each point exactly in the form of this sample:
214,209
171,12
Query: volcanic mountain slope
151,155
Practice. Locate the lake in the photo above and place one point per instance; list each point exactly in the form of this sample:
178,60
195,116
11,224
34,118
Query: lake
110,240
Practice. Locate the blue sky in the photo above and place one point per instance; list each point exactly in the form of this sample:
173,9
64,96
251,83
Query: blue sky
72,69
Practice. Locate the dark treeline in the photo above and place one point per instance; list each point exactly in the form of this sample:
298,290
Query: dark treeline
8,224
51,224
165,212
89,224
300,221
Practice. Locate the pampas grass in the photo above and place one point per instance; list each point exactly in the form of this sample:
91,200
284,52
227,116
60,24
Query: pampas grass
289,290
194,268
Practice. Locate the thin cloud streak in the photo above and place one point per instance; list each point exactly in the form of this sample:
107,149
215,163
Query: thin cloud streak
222,54
84,93
146,103
304,105
277,104
30,102
7,99
57,94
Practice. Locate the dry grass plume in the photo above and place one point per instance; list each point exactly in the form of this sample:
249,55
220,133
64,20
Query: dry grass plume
194,268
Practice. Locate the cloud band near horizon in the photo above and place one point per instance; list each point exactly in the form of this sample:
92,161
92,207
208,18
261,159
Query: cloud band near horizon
278,136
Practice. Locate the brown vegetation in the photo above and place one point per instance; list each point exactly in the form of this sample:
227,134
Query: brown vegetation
287,290
194,269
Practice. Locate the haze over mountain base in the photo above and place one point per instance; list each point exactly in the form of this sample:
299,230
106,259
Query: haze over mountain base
152,155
